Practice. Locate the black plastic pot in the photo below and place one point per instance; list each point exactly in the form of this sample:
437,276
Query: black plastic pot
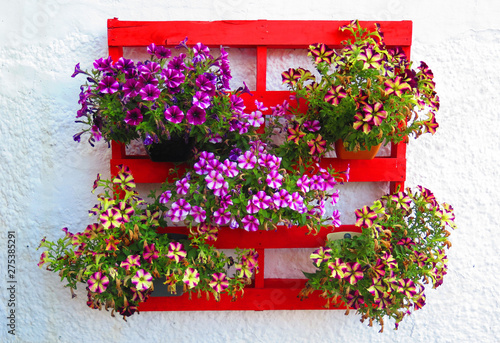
174,150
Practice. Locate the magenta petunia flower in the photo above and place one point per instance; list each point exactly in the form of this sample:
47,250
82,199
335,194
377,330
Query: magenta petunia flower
312,125
174,114
219,282
182,186
199,214
338,268
221,217
98,282
173,78
205,84
335,95
336,218
237,104
230,168
355,299
196,115
149,93
142,280
282,198
250,223
396,86
261,200
176,251
202,100
179,210
108,85
256,119
304,183
150,253
131,88
365,217
297,203
215,180
133,117
247,160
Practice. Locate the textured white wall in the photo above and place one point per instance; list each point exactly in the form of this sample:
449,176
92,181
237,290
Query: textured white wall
45,177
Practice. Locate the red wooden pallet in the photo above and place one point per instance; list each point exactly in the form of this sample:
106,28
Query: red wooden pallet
265,294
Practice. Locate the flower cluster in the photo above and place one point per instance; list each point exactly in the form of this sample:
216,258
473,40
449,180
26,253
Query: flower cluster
118,256
382,272
368,93
249,190
184,96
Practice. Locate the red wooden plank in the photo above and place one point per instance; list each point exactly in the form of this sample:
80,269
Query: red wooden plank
278,294
282,238
246,33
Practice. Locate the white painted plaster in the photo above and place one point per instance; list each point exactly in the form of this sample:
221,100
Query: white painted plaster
45,177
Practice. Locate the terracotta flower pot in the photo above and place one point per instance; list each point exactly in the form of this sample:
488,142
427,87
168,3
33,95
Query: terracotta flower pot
342,153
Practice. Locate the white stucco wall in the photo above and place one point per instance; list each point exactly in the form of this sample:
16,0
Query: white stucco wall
45,177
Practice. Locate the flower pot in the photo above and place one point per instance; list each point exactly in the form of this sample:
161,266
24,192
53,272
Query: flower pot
343,154
174,150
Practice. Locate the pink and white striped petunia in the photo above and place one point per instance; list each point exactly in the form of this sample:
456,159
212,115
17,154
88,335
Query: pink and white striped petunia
274,179
215,180
199,214
221,217
98,282
261,200
250,223
247,160
282,198
230,168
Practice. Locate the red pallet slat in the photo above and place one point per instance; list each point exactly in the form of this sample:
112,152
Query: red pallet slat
265,293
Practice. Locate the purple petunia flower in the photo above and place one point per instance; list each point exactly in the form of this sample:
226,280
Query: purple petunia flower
177,63
237,104
196,115
98,282
174,114
312,125
108,85
205,84
282,198
173,78
161,52
131,88
105,65
133,117
202,100
149,93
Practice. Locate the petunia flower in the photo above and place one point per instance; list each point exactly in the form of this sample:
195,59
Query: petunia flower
274,179
214,180
150,253
131,261
149,92
173,78
282,198
142,280
431,125
230,168
191,277
196,115
375,112
261,200
108,85
182,186
202,100
291,76
312,125
98,282
320,255
250,223
321,53
179,210
133,117
165,197
371,59
335,94
219,282
111,243
111,218
336,218
174,114
353,272
355,299
365,217
247,160
221,217
199,214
